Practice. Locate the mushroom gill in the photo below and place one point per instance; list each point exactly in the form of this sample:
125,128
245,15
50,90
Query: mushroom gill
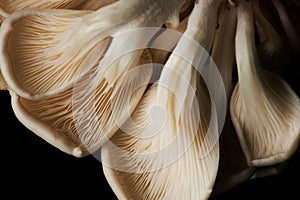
47,34
80,126
169,148
40,64
31,50
8,7
264,109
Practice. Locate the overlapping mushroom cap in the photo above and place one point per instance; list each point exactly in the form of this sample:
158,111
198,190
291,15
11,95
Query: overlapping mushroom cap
89,73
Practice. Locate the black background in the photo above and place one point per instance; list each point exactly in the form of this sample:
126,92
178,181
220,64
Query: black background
32,168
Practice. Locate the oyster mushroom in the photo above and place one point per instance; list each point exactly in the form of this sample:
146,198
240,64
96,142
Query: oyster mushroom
233,167
264,109
169,148
89,72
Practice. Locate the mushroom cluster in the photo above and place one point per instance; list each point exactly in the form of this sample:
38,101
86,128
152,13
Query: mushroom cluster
185,99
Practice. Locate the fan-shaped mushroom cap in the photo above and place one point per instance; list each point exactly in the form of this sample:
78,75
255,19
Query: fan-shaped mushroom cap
264,108
82,118
142,164
8,7
31,50
169,148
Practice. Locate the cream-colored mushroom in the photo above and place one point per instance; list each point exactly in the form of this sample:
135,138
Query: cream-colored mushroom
40,64
169,148
264,108
233,167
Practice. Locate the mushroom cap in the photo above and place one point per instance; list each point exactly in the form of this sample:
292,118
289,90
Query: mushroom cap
86,115
271,135
264,108
30,51
146,161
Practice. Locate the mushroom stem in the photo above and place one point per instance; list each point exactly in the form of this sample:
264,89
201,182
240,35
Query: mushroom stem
208,10
246,54
223,48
